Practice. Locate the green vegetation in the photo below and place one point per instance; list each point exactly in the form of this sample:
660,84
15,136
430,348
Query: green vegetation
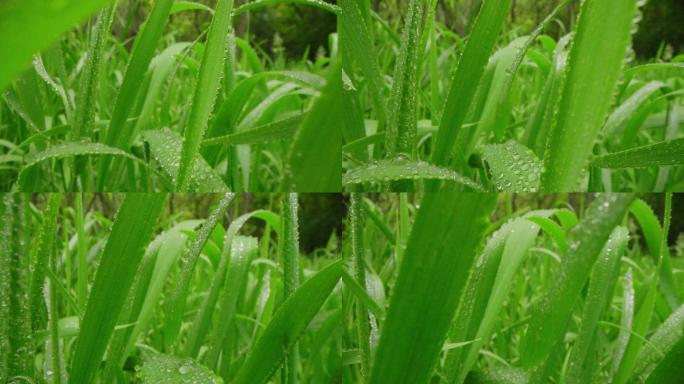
100,107
176,289
463,88
460,287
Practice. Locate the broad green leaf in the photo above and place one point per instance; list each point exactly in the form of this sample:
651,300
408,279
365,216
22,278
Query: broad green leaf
550,316
131,231
383,171
662,341
514,167
592,73
28,27
165,146
287,324
439,254
167,369
669,152
315,158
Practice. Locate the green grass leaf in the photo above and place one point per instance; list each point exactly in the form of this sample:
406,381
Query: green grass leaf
669,152
550,316
384,171
174,370
592,73
514,167
125,246
287,324
206,91
439,254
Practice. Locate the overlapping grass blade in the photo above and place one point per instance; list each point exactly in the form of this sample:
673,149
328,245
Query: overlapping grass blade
277,130
671,367
256,4
592,74
662,341
165,146
289,321
177,301
601,285
445,237
550,316
131,231
206,91
669,152
171,369
467,77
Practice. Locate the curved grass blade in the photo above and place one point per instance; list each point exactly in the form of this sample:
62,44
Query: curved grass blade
643,317
439,254
315,158
242,251
627,109
176,304
601,285
278,130
131,231
669,152
648,221
394,170
591,77
165,146
550,316
357,227
69,150
206,91
287,324
203,320
664,339
514,167
510,245
180,6
467,77
28,27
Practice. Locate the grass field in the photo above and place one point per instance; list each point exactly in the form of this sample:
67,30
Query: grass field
497,109
97,107
455,287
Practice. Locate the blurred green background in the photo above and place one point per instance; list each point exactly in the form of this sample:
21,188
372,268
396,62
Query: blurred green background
300,31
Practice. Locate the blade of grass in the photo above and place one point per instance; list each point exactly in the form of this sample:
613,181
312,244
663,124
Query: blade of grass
670,152
467,77
551,315
591,77
176,304
383,171
287,324
514,167
206,90
441,248
46,238
132,228
600,291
